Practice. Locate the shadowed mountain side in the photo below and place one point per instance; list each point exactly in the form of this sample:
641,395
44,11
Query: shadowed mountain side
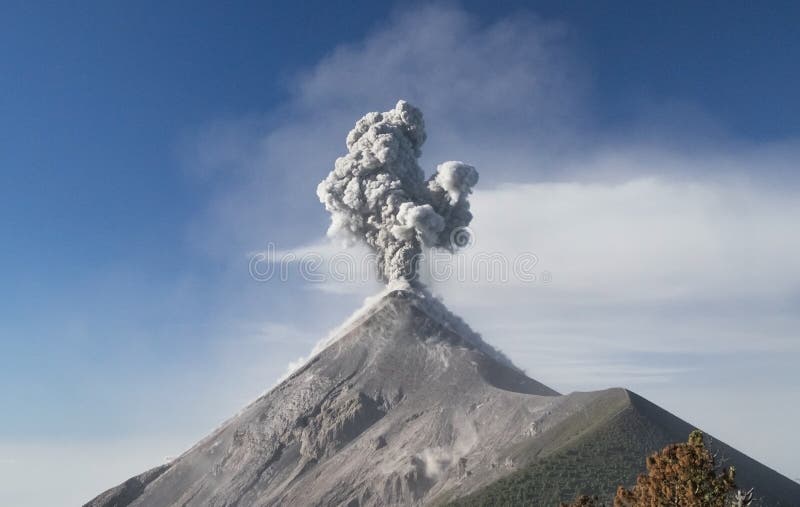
594,452
406,406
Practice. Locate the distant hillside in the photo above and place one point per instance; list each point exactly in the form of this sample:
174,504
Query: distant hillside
595,451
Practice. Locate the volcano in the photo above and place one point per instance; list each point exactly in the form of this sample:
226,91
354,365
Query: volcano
408,406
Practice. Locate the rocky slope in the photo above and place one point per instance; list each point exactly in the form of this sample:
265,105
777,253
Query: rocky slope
407,407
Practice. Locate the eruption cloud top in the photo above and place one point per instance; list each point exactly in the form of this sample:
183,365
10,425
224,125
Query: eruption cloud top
378,194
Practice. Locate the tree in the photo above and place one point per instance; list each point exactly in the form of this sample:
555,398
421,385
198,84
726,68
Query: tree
681,475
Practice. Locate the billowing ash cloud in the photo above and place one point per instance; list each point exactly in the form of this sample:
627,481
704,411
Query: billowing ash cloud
378,193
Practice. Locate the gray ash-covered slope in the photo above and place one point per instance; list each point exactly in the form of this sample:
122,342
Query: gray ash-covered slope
409,407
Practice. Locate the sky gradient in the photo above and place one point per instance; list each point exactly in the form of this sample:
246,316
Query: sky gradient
645,152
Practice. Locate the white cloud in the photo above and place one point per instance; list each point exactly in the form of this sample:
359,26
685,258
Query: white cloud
651,238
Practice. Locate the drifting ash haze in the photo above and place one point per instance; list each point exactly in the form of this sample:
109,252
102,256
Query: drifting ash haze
405,404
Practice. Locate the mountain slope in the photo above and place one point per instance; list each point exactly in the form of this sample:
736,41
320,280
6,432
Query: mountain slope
407,406
594,452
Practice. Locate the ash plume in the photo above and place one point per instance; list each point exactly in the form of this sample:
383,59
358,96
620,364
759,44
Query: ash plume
378,193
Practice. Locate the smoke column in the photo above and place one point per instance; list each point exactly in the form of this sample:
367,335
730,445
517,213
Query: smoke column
378,193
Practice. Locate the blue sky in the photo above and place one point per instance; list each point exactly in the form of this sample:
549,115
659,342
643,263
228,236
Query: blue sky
148,150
